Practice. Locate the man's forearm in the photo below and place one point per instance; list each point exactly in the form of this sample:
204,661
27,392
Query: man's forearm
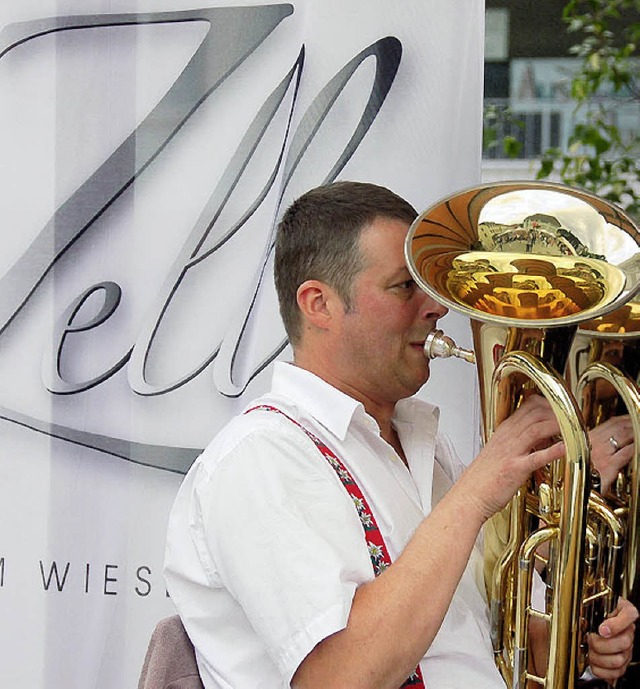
395,617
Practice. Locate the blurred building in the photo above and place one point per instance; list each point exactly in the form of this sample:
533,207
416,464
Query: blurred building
528,71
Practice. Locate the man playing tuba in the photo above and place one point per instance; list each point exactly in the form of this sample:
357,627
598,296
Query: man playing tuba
328,536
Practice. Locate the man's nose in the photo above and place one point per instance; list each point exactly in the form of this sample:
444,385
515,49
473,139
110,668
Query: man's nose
432,309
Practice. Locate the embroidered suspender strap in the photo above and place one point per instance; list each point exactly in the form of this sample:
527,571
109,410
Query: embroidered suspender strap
375,543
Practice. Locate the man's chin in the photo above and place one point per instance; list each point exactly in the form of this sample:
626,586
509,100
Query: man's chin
418,382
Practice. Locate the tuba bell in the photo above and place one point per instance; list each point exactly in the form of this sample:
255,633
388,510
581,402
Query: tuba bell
528,263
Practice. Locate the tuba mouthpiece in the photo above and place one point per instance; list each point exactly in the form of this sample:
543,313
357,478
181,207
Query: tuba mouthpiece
438,344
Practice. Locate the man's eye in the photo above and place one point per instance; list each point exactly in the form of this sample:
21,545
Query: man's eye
407,284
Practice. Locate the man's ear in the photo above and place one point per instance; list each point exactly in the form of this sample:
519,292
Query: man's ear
317,302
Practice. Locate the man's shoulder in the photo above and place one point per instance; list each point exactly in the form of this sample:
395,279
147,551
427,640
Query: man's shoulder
265,428
264,415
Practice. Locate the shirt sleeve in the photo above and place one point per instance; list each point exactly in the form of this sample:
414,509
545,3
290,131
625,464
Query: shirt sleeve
448,458
275,527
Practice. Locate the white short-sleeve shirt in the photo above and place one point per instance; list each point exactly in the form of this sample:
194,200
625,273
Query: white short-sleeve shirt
265,548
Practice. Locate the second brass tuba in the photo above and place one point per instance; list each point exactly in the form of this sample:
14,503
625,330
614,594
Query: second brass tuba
603,370
528,262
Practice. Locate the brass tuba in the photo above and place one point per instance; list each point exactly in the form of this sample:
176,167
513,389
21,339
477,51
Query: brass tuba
529,262
603,370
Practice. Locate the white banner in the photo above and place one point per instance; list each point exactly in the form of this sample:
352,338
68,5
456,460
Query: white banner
146,150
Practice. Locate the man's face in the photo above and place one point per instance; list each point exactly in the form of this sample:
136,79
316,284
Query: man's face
382,337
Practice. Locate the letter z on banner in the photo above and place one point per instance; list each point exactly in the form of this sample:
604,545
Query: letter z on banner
147,151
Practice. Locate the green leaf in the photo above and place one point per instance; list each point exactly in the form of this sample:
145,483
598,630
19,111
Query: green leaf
512,146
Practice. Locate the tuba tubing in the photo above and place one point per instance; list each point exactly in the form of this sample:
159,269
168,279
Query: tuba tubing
629,513
514,567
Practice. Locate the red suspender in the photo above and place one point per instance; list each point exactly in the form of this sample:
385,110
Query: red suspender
377,549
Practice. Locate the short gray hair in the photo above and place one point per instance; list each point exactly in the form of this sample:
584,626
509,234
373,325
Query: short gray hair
318,236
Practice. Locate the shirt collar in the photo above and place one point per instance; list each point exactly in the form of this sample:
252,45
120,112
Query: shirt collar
334,409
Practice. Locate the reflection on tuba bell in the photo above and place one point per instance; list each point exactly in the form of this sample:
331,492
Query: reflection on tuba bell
529,262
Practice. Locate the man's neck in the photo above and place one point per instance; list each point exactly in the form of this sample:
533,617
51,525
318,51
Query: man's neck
394,441
381,410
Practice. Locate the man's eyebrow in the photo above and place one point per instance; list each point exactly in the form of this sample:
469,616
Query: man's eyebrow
402,273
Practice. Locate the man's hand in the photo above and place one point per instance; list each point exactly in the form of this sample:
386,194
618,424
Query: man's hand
610,456
610,649
522,443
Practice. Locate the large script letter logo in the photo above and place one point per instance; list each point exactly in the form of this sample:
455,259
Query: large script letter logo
233,34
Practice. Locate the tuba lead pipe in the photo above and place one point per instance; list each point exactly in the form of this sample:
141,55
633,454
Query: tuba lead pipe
437,344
